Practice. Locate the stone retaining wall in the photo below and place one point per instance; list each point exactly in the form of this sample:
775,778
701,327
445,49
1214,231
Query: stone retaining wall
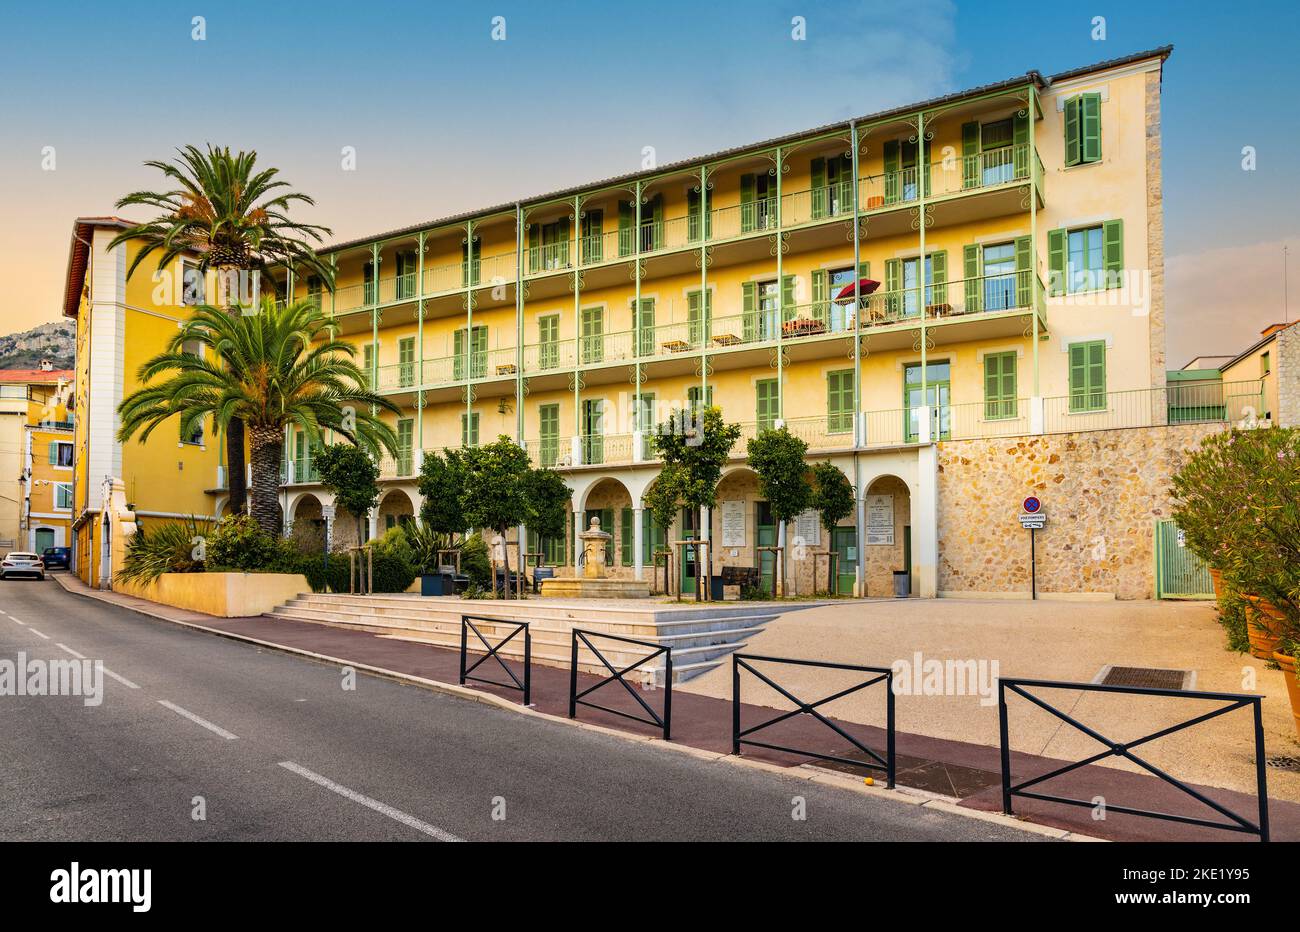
1102,492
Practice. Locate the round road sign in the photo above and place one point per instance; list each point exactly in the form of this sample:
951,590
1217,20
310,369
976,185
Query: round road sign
1032,505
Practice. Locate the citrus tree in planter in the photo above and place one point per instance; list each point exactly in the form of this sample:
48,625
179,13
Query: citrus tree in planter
1238,503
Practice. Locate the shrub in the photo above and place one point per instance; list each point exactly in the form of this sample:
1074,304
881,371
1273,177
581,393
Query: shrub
168,548
474,562
391,573
239,543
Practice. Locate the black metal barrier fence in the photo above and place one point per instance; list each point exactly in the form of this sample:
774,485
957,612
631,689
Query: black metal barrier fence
617,676
1124,750
467,625
881,674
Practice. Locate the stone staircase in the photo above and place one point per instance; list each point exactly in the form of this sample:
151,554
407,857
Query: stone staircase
698,636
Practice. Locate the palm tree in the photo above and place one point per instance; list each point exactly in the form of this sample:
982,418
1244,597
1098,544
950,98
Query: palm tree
271,369
235,220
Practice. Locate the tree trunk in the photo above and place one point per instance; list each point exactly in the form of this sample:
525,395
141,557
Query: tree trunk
236,473
267,450
505,555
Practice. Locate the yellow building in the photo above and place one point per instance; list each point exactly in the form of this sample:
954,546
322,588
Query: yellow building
35,458
1009,243
120,324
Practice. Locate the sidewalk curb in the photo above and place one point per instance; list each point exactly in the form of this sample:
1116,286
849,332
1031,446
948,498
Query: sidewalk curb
902,795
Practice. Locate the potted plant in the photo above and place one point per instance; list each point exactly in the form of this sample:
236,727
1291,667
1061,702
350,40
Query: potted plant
425,545
1286,659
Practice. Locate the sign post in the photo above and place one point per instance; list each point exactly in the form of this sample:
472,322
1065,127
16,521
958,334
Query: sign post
1034,519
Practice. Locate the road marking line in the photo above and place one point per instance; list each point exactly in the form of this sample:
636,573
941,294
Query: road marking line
37,633
69,650
216,729
366,801
121,679
16,621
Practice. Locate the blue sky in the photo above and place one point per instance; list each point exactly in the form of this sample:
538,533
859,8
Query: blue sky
444,119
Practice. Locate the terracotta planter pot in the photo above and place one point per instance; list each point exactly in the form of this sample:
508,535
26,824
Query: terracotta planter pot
1217,578
1287,664
1262,621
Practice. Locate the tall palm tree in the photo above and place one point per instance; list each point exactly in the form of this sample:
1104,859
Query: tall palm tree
271,369
235,220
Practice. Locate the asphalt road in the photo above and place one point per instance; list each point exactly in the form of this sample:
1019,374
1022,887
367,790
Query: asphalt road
267,746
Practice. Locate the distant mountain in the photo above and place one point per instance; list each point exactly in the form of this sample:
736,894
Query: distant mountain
55,341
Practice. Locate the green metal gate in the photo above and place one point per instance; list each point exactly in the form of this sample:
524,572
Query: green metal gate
1180,574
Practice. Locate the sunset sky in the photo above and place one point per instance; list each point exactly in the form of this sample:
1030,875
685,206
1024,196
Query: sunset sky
444,119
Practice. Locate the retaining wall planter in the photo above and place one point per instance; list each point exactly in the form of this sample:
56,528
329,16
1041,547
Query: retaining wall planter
225,595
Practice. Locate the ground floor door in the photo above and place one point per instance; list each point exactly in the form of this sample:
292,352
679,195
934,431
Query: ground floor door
845,545
44,538
690,530
765,536
1180,574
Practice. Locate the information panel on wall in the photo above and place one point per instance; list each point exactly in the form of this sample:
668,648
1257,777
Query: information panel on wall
808,525
733,523
880,520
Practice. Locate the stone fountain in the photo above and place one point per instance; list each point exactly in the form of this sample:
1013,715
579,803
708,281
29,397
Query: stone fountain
593,583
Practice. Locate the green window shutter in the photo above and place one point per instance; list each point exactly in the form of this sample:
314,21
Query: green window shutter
406,361
699,329
864,270
970,155
626,220
1000,385
893,286
1090,127
1024,271
562,235
820,308
368,363
893,186
839,401
1112,238
749,308
458,354
534,247
1073,136
1088,376
643,322
405,446
818,188
692,215
548,339
970,257
1020,154
593,334
939,277
593,243
748,215
765,403
625,536
54,453
1056,240
479,348
469,430
787,298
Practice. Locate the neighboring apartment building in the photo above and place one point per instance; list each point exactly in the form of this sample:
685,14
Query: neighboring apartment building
1007,243
120,324
35,458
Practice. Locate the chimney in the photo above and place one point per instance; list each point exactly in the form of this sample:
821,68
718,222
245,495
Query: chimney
47,365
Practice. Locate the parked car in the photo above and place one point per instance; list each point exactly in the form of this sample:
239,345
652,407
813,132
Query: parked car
22,564
57,558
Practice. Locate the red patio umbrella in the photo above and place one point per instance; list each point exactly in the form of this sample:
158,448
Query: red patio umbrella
865,287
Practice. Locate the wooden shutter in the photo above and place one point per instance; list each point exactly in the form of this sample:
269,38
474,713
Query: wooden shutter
626,220
1024,271
458,354
625,536
787,298
593,243
939,277
749,309
1073,137
1020,154
1056,245
747,212
821,308
593,334
970,155
368,363
1112,238
970,256
692,215
839,401
893,286
818,188
765,398
893,185
1090,127
1088,376
1000,385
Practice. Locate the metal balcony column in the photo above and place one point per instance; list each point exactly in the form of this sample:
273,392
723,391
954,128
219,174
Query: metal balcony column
374,323
519,324
922,176
577,342
858,438
706,325
419,341
780,293
1031,107
469,330
639,374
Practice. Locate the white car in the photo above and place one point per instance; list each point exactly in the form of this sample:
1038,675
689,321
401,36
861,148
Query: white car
22,564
